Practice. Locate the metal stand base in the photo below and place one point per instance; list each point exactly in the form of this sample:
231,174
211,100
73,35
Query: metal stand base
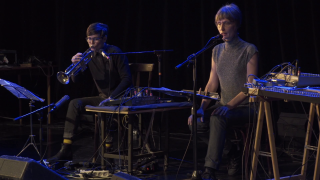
31,136
32,142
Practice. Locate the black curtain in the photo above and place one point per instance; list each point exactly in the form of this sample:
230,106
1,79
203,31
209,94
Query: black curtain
283,31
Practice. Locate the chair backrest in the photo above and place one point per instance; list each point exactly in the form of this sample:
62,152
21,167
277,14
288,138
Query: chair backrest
137,69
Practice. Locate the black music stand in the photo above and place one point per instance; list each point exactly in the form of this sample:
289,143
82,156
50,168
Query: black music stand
22,93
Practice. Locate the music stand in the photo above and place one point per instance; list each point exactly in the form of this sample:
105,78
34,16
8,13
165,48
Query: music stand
22,93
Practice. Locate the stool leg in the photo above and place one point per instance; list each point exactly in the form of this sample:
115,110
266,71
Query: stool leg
140,131
103,163
307,141
317,166
130,146
96,138
256,148
166,148
271,141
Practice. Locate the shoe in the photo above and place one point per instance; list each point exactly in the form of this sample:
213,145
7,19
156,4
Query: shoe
65,153
208,174
234,160
234,165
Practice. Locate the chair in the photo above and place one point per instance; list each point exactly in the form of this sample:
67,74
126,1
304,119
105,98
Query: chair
138,71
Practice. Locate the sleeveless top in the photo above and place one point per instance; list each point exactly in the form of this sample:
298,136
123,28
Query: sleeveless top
231,59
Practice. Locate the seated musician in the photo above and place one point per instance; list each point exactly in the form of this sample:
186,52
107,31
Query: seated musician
111,76
232,62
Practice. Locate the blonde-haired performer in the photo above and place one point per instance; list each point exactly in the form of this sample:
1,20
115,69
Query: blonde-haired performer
232,62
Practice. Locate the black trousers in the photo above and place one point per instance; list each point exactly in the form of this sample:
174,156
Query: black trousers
75,109
213,131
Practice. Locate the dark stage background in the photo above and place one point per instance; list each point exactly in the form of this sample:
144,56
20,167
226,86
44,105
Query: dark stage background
55,30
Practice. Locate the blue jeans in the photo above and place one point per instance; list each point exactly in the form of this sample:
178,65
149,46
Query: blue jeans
213,131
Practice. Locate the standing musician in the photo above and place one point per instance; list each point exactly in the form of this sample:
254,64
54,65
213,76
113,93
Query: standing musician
110,74
232,63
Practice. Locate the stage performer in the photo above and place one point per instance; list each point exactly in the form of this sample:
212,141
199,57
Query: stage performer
232,63
111,76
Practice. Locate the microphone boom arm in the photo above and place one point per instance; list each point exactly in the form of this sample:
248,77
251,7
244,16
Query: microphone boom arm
192,56
50,105
141,52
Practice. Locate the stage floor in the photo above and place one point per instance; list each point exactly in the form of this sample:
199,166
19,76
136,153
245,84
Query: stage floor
13,137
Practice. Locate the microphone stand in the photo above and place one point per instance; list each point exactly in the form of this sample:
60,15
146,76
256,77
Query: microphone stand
50,105
193,59
159,67
40,131
40,134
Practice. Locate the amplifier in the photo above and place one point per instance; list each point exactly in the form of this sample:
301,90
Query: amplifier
21,168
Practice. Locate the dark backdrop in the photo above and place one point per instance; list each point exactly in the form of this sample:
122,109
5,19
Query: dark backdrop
55,30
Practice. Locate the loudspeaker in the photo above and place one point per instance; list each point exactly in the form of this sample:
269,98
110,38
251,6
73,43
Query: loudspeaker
123,176
20,168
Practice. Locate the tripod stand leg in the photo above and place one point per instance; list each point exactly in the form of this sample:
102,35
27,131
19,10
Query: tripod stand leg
32,142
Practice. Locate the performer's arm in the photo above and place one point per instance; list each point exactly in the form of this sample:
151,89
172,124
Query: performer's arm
252,68
212,85
123,68
75,59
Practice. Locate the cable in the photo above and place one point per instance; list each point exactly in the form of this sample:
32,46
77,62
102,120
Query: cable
246,140
47,75
253,76
254,129
273,69
301,165
154,143
41,159
304,110
184,155
126,93
102,143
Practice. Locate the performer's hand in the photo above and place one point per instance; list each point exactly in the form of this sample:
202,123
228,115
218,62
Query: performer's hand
76,58
222,110
200,114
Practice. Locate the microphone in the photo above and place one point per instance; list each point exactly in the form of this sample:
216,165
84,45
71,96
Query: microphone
104,54
217,37
64,99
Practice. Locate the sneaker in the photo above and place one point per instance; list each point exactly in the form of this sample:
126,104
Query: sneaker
208,174
65,153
